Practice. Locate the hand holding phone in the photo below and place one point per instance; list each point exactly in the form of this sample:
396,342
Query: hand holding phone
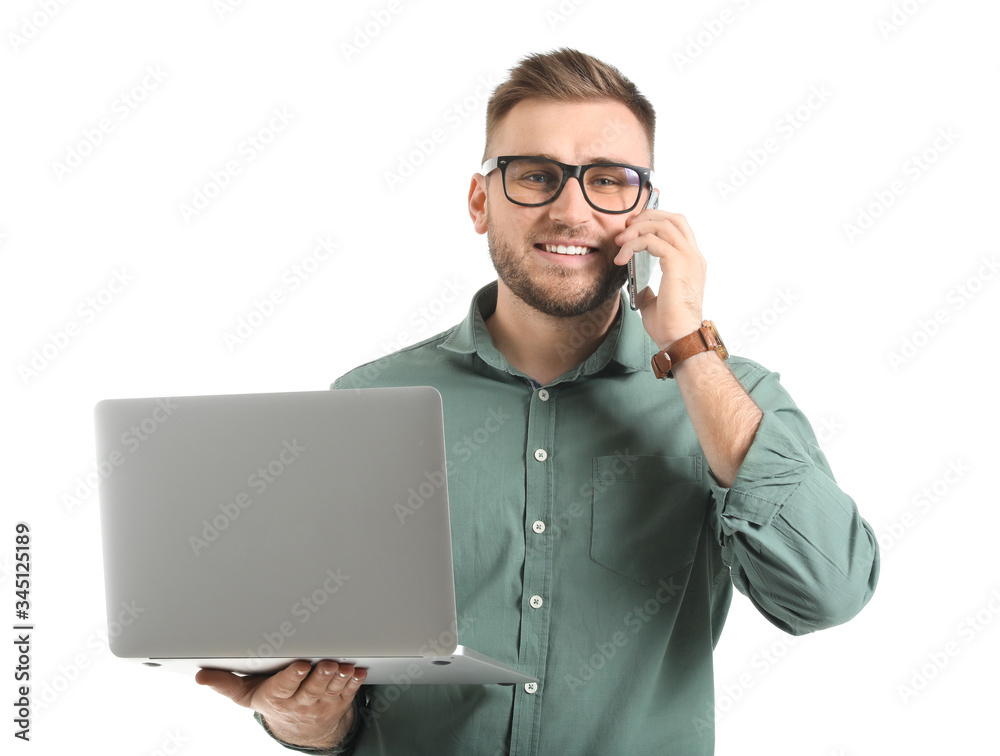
640,264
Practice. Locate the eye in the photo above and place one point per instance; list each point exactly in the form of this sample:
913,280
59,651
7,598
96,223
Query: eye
534,174
605,181
537,177
611,179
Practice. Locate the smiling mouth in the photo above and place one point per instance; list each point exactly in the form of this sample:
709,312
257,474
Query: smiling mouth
566,249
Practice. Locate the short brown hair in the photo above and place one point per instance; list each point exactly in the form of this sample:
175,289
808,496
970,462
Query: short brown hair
566,76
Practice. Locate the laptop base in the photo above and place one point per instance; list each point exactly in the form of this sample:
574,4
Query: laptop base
463,667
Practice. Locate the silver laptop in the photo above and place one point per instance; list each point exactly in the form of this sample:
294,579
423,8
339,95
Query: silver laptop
243,532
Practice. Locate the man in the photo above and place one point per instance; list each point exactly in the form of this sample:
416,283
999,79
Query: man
600,514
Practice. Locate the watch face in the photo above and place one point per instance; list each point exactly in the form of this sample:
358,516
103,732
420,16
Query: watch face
721,348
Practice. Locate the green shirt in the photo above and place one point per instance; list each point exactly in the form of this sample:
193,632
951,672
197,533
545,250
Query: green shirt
595,551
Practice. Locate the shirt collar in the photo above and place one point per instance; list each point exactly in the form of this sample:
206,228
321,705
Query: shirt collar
626,343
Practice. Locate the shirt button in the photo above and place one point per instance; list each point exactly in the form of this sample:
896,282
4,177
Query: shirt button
543,395
541,455
535,601
530,687
538,526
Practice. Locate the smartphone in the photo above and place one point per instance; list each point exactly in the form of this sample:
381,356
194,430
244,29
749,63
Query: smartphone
640,263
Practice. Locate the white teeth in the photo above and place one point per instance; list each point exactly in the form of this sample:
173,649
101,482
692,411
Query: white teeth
562,249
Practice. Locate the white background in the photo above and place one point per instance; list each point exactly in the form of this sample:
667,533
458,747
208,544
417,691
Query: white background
897,75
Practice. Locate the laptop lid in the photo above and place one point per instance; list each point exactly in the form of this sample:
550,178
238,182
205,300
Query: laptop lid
300,525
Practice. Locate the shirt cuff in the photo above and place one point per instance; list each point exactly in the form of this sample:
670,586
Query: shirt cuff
774,467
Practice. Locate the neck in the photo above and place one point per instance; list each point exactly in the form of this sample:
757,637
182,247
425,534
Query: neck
545,346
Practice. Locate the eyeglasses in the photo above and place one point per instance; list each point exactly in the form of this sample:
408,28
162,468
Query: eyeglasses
534,181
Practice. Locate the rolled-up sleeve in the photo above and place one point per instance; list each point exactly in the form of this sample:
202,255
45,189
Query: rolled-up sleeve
795,543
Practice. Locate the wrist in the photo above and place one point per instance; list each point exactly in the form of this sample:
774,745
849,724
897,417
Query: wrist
702,339
697,362
290,734
675,335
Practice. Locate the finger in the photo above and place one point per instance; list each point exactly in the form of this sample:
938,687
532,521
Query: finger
338,680
346,681
652,243
658,227
286,683
681,223
354,683
671,226
239,689
316,684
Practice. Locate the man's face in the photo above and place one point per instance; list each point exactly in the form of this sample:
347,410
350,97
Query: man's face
522,239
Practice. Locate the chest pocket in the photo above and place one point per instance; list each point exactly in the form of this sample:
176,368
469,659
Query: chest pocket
647,515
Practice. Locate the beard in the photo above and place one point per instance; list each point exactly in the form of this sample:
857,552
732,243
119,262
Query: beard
562,293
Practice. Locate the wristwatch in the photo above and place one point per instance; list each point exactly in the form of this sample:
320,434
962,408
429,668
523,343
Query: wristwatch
702,340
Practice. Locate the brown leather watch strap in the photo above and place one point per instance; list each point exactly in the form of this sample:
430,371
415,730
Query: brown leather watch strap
703,340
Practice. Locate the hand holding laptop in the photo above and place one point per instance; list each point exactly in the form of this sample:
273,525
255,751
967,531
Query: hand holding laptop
300,707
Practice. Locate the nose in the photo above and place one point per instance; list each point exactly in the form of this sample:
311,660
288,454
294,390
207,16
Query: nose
570,207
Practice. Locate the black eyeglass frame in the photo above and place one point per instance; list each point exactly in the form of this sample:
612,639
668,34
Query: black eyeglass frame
568,172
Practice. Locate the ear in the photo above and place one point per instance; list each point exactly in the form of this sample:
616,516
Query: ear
477,203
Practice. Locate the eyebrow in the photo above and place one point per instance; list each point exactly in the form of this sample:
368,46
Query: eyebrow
590,160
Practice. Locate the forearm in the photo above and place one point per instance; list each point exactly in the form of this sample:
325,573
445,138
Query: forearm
724,417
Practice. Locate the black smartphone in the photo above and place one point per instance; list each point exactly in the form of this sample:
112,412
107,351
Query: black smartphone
639,265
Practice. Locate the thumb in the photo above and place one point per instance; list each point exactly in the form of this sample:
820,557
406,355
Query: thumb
227,684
